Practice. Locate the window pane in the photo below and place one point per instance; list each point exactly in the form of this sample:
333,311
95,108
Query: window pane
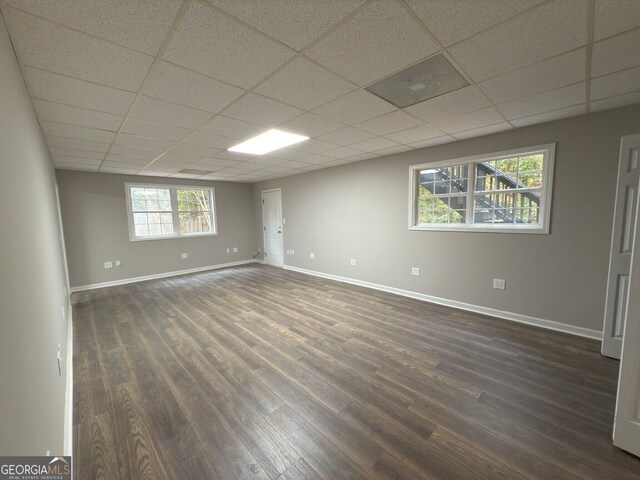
155,229
140,218
167,229
154,217
195,222
193,200
166,218
138,202
441,210
445,180
142,231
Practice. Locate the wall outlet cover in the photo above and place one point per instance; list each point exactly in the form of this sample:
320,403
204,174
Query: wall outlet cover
235,249
312,255
184,256
499,284
415,271
353,262
108,264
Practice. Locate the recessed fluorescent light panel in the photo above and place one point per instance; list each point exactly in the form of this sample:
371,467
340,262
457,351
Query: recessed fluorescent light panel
431,78
268,142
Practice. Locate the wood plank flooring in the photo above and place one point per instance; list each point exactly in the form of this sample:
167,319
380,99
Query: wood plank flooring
260,373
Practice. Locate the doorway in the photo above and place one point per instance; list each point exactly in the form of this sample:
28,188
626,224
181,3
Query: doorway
272,227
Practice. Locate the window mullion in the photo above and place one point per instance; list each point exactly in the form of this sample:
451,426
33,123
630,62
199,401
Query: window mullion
471,187
174,211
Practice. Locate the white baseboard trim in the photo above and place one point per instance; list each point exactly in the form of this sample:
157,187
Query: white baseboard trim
68,400
515,317
144,278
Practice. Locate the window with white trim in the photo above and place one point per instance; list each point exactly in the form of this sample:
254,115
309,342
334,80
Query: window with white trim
169,211
506,191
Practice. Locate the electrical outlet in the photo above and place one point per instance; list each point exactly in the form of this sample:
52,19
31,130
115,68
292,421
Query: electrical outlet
415,271
499,283
312,255
184,256
235,249
293,252
353,262
229,250
118,263
108,264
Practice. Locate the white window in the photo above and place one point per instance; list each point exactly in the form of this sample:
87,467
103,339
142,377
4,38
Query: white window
169,211
499,192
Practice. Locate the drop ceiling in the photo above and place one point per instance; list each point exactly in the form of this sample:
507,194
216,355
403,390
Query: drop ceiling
156,87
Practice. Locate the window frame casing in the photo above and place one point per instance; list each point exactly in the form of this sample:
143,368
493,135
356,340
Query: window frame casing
174,210
542,227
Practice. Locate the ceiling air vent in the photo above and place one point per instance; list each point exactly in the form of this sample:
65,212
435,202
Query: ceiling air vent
191,171
430,78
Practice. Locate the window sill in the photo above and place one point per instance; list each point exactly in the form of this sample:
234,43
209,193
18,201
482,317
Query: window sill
173,237
537,229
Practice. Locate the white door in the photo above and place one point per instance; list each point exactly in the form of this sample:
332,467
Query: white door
624,222
626,426
272,226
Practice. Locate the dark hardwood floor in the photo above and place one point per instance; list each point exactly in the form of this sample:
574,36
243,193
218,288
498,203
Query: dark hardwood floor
261,373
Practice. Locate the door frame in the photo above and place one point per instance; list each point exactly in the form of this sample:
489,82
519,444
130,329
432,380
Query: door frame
264,227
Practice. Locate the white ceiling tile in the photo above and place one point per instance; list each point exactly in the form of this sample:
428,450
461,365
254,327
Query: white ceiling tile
119,170
191,150
143,142
134,152
140,24
295,24
374,144
345,136
63,159
209,140
355,158
432,142
230,127
313,145
316,159
82,168
393,150
283,154
304,84
80,133
479,118
154,130
615,102
276,169
79,154
615,16
616,53
78,93
342,152
121,160
450,104
57,112
168,162
295,165
160,111
378,40
261,110
179,85
355,107
618,83
415,134
53,47
215,44
451,21
389,123
158,172
550,29
265,160
544,102
216,163
540,77
75,144
550,116
479,132
311,125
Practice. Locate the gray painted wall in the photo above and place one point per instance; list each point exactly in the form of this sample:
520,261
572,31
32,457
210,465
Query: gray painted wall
94,215
32,279
361,211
